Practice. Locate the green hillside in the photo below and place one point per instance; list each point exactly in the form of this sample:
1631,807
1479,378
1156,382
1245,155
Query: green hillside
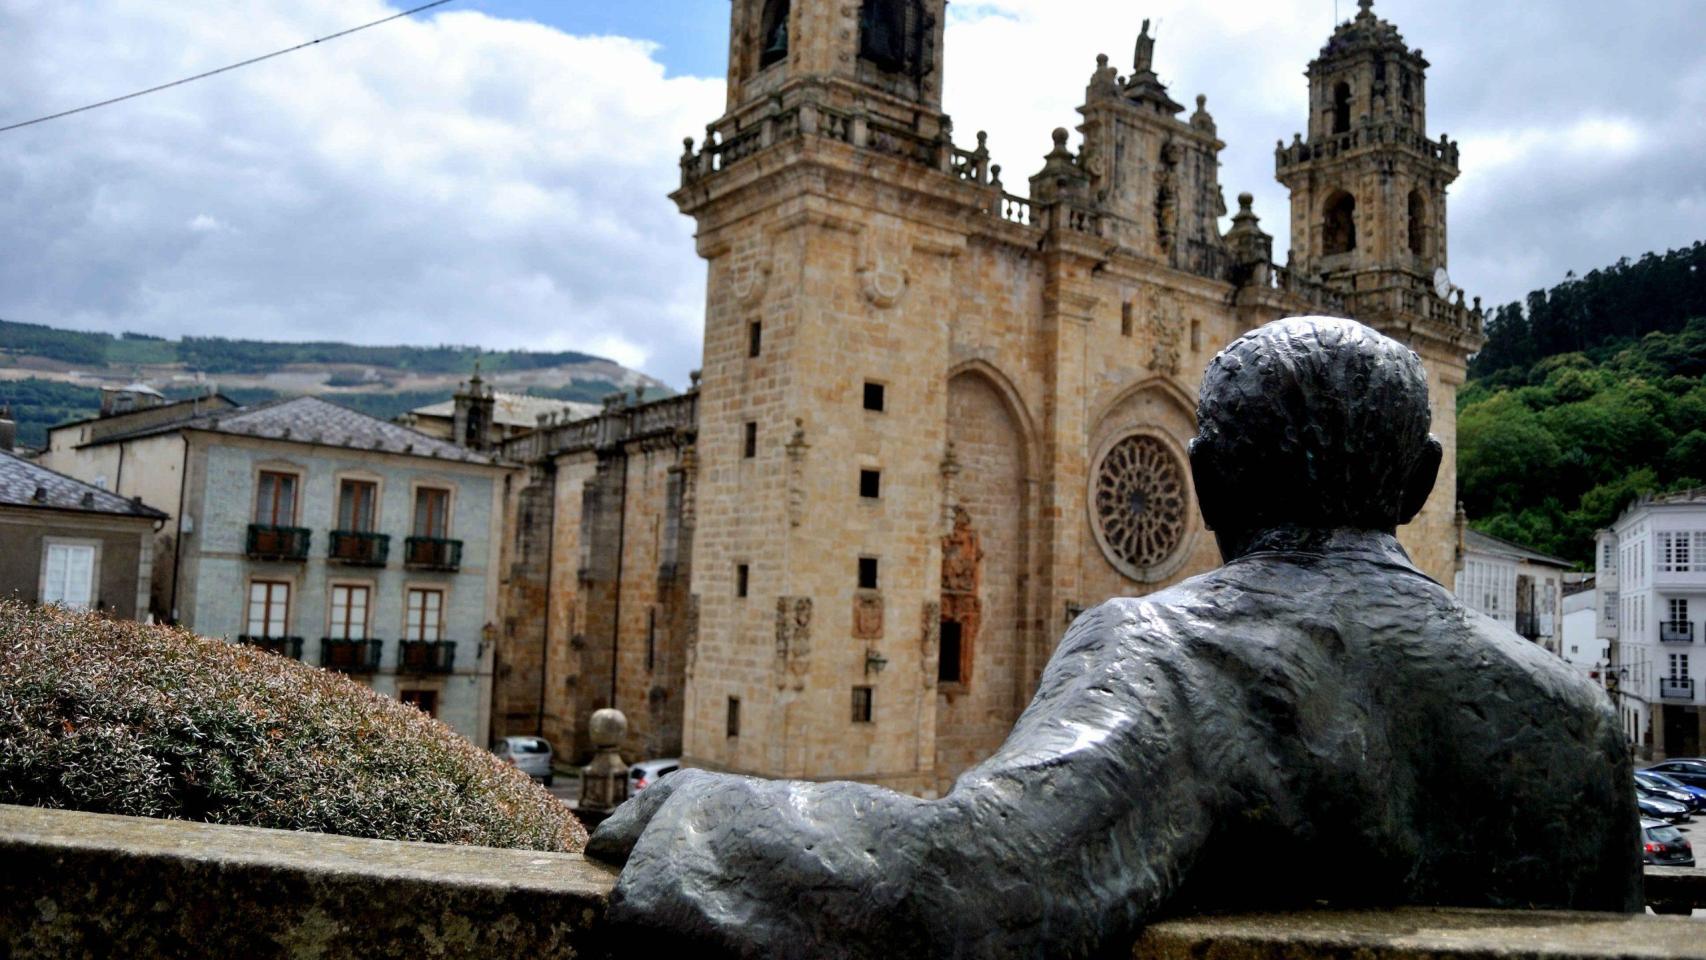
1585,396
222,355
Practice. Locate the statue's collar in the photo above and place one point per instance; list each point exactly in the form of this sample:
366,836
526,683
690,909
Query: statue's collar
1374,546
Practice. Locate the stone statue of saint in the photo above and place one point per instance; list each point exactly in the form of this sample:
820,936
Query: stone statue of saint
1316,721
1143,61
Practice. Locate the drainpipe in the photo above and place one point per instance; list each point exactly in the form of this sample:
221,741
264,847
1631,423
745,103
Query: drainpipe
178,537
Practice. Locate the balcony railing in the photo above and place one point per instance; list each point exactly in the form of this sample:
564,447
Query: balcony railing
1676,631
426,656
283,646
432,553
350,656
268,542
360,549
1671,688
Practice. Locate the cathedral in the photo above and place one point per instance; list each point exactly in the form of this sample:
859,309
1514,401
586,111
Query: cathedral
941,413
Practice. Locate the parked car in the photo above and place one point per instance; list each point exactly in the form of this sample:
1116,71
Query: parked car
1658,808
1693,797
1682,797
649,772
1664,845
530,755
1689,771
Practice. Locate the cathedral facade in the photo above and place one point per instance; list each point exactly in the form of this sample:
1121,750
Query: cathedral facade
940,414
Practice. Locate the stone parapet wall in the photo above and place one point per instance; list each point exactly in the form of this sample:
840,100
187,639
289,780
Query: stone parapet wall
84,884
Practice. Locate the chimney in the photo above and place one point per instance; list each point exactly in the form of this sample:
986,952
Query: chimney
8,430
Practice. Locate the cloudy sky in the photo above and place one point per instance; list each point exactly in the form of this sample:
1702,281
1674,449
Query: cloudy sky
495,173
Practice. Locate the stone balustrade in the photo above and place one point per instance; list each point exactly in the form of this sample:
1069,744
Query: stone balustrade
85,884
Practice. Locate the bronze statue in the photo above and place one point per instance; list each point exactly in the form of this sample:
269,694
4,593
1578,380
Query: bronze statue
1314,722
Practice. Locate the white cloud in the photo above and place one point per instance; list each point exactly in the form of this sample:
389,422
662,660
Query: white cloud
468,179
459,179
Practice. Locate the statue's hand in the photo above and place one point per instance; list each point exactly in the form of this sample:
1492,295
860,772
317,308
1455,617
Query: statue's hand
615,837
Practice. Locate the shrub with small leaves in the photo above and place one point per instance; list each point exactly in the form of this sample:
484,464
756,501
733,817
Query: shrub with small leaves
116,717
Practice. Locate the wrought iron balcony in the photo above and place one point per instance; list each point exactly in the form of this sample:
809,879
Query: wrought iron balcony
267,542
426,656
1676,631
283,646
432,553
360,549
1670,688
350,656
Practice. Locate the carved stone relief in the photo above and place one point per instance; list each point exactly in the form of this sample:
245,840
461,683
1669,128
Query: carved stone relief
867,615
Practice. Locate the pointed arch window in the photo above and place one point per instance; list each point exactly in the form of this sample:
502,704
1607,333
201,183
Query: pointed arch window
1418,223
1341,107
773,33
1339,224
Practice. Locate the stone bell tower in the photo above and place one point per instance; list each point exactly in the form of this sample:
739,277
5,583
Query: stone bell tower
826,198
1368,198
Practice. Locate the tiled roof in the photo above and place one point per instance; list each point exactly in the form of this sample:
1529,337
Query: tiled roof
27,484
312,420
1483,543
516,409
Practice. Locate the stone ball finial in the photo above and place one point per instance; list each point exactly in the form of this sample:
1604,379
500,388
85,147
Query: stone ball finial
607,727
1060,136
1245,201
1101,61
1202,100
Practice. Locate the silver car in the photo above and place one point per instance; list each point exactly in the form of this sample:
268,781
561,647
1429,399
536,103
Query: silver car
648,772
530,755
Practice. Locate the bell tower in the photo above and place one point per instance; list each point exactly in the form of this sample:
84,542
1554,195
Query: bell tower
1368,198
831,207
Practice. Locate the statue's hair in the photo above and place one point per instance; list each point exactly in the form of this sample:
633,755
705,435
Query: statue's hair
1315,421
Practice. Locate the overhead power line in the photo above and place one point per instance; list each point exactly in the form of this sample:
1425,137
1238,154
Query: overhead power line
225,69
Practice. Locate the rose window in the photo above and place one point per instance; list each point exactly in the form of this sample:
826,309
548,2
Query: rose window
1139,503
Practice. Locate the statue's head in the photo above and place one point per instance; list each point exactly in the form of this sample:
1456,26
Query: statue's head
1313,423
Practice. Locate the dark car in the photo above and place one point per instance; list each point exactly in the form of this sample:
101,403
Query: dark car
1693,797
1664,845
1657,808
1690,772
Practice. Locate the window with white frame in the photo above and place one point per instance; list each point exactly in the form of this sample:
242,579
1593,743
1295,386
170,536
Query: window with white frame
1679,666
1608,558
1611,607
1674,551
269,608
425,611
349,612
68,575
1678,611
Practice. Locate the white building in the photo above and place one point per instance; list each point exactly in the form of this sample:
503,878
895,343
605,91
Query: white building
1584,645
1655,554
1519,587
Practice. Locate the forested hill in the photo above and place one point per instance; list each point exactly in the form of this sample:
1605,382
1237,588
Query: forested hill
49,376
1585,396
217,355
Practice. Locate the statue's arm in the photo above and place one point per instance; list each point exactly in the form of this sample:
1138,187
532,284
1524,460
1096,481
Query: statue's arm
1077,828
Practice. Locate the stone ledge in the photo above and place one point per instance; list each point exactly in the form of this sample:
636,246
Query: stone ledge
82,884
92,885
1418,933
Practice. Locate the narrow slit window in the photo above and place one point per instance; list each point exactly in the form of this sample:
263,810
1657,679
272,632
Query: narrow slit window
948,660
867,573
870,484
862,697
754,338
874,396
742,572
750,443
733,720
